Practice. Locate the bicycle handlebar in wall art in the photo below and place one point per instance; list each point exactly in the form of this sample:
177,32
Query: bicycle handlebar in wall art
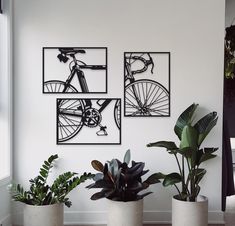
74,70
147,84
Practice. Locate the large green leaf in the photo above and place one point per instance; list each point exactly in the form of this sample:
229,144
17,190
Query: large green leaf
205,125
154,178
189,137
210,150
206,157
184,119
171,179
169,145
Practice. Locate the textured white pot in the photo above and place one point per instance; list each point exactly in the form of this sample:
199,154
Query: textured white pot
190,213
49,215
125,213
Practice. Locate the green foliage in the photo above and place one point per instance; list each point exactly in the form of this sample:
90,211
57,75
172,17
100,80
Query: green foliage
40,193
189,155
121,182
229,53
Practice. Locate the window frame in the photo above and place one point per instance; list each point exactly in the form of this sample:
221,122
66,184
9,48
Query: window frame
7,11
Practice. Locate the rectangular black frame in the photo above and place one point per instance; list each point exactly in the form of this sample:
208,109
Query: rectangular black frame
169,86
83,99
43,70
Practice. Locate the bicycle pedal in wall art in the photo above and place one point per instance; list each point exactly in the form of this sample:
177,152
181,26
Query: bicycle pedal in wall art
88,121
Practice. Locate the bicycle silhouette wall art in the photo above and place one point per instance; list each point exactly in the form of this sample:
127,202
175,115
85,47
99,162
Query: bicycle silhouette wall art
88,121
74,70
147,84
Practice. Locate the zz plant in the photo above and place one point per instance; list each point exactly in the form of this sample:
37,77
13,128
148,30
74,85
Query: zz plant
189,154
40,193
120,182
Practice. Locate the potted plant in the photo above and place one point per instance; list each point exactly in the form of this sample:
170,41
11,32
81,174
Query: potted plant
121,185
188,207
44,202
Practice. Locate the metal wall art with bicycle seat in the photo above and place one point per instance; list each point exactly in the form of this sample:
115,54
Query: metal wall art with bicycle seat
147,84
74,70
77,117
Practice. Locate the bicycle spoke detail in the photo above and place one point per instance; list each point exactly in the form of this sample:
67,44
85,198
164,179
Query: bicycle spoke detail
147,84
69,118
151,99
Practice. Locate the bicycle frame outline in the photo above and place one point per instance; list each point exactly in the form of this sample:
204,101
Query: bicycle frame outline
76,70
86,105
130,79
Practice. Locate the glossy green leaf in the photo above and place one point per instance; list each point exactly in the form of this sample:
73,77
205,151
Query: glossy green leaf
205,125
169,145
206,157
189,137
171,179
210,150
154,178
184,119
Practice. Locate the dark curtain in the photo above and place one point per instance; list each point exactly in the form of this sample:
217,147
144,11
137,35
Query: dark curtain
227,165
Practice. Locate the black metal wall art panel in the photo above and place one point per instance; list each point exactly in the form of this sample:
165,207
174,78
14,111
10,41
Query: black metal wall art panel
88,121
1,7
147,84
74,70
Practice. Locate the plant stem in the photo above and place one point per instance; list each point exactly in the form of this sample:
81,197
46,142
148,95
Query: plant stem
178,191
178,163
183,176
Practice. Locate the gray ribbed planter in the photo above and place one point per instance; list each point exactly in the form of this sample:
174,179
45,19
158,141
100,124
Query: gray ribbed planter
190,213
49,215
125,213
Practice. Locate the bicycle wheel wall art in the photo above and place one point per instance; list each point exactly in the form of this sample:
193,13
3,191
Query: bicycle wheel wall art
74,70
147,84
88,121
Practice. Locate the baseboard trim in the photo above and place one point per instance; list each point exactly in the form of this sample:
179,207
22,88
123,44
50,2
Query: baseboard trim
99,217
6,221
150,217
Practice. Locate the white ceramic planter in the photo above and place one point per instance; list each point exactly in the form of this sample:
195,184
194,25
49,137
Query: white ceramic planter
190,213
49,215
125,213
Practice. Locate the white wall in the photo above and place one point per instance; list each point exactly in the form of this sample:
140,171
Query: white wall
191,30
229,15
